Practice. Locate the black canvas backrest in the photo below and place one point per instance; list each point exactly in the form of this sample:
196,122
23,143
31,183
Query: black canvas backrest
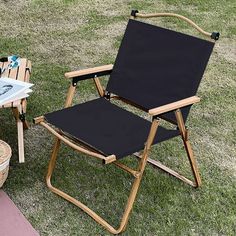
156,66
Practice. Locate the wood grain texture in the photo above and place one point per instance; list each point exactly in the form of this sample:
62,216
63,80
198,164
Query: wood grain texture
177,16
82,72
21,73
174,105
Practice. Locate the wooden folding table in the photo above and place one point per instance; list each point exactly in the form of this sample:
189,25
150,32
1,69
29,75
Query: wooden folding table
21,73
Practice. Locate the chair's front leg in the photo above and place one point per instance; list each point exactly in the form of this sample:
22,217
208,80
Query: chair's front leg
132,195
52,162
141,168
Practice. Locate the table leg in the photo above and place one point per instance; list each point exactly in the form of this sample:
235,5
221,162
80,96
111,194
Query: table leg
19,134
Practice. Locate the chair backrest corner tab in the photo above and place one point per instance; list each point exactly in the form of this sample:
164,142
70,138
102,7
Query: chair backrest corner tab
109,159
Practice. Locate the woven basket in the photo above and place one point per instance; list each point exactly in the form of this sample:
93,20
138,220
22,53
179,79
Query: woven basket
5,155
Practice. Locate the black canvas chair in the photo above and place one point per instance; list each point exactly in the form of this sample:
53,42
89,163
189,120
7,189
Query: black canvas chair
156,70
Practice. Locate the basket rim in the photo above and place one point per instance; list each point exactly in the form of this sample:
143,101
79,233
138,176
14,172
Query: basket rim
6,149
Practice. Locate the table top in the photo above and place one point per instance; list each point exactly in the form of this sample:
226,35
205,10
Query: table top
5,151
18,73
21,73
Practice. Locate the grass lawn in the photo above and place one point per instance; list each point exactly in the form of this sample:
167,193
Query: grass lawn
63,35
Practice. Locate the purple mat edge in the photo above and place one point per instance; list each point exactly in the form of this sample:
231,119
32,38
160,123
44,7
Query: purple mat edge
12,221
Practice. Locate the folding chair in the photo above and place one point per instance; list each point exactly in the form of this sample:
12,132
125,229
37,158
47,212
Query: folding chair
158,71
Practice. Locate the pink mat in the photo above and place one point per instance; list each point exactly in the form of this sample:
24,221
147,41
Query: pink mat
12,221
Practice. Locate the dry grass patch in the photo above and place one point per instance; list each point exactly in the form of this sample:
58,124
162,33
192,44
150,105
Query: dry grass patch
62,35
227,49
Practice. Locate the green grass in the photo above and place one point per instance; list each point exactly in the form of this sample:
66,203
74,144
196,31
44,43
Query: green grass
58,36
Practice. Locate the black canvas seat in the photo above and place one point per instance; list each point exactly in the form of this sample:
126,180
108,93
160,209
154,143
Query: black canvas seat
156,70
98,123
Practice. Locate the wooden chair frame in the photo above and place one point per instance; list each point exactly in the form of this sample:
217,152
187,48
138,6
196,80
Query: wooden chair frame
155,113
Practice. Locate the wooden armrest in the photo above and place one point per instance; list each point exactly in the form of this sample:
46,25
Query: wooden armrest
90,71
173,106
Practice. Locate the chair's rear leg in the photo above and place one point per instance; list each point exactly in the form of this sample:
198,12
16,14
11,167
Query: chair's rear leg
188,148
168,170
52,162
192,162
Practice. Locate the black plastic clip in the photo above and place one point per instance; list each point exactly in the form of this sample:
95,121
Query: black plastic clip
215,35
74,82
155,118
3,59
28,69
133,13
22,117
107,95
